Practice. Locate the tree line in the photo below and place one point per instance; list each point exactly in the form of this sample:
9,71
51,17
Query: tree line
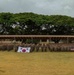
35,24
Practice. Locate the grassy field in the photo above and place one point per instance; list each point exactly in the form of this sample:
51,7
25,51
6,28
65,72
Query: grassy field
37,63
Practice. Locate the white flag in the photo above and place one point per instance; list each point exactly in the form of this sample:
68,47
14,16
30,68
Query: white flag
24,49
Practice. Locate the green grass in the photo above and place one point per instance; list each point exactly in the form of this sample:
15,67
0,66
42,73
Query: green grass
37,63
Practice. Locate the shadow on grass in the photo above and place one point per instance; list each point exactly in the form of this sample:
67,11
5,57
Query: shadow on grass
2,71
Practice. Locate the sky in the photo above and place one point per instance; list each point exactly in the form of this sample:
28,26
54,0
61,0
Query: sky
46,7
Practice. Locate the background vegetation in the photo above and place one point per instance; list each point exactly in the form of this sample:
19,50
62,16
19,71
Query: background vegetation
31,23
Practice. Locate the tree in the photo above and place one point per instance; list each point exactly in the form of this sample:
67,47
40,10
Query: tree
31,23
5,23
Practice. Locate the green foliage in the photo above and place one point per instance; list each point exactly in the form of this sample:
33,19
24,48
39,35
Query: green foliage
31,24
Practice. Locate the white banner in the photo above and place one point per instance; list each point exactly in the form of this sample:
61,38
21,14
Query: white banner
24,49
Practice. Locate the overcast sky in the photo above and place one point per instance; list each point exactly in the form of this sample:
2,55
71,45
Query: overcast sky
47,7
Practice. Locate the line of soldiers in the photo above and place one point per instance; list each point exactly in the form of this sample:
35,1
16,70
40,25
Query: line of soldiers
50,47
39,47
